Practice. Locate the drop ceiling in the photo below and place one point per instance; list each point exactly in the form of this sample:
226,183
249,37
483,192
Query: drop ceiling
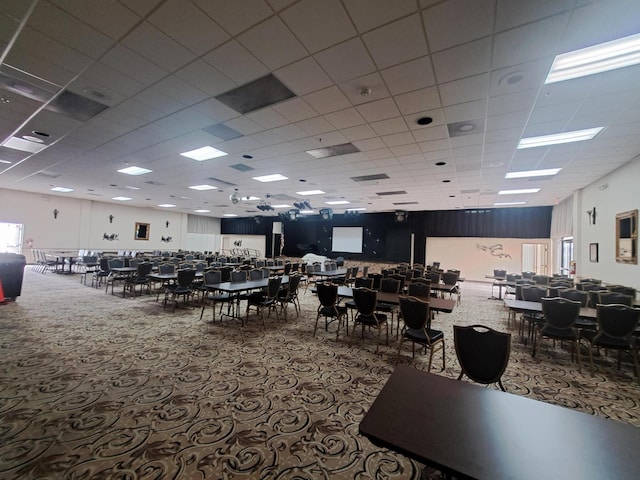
117,83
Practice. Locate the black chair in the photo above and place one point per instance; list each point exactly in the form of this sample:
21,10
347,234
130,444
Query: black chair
101,274
575,295
622,289
499,279
141,278
560,316
531,293
289,294
211,296
419,288
265,300
366,303
483,353
113,276
415,313
609,298
329,308
451,278
616,331
182,288
377,278
389,285
359,282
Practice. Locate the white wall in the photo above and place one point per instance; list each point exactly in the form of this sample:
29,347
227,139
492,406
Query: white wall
622,193
81,224
474,257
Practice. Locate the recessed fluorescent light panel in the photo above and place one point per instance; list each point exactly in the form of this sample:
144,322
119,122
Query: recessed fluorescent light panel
121,199
337,202
281,206
62,189
357,209
135,170
166,205
229,215
595,59
204,153
515,192
203,187
310,192
502,204
5,161
271,178
202,211
533,173
559,138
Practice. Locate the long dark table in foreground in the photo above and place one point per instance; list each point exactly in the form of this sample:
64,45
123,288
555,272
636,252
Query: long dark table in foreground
476,432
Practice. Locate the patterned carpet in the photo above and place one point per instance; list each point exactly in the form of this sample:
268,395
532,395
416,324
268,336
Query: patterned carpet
94,386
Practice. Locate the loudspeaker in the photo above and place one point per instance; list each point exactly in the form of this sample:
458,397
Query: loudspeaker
401,216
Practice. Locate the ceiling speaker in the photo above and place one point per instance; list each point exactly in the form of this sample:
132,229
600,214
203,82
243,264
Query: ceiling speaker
326,213
401,216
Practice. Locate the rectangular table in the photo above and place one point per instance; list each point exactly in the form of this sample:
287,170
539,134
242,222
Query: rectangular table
476,432
436,304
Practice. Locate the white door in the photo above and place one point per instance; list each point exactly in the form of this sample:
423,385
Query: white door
535,258
11,237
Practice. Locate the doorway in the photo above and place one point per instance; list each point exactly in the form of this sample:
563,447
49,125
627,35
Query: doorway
567,255
535,258
11,237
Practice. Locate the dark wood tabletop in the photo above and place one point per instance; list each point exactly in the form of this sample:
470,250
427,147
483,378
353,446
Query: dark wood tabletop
435,303
477,432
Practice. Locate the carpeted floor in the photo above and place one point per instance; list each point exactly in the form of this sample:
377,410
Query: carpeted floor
94,386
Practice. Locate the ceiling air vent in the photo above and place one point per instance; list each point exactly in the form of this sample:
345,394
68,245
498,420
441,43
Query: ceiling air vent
370,178
334,150
223,132
396,192
241,167
222,182
254,95
76,106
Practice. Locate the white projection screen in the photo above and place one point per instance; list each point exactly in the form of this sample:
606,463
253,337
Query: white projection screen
347,239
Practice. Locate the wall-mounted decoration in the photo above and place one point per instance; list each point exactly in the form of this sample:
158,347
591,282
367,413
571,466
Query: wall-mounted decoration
627,237
494,250
166,224
111,217
166,239
237,243
593,252
592,216
110,236
55,213
142,231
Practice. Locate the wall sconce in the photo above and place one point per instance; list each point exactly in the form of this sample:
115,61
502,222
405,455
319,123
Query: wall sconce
55,213
592,216
166,224
111,217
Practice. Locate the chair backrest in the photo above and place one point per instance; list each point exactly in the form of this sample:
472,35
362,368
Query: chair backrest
377,277
541,279
419,289
255,274
591,280
287,268
415,312
238,276
433,277
116,263
212,277
609,298
390,285
532,293
166,268
266,273
260,263
104,264
226,273
144,269
617,321
363,282
554,291
201,266
292,286
273,287
185,277
366,300
512,277
365,270
327,294
560,313
622,289
450,278
483,353
575,295
401,278
499,273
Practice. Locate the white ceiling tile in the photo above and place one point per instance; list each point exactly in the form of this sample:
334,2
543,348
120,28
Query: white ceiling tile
365,89
380,153
512,102
465,111
463,61
328,100
406,152
206,78
346,118
235,17
378,110
390,126
425,99
304,76
397,139
412,75
465,90
318,25
507,120
446,27
360,132
272,43
268,118
369,144
186,24
244,125
236,62
398,42
533,41
154,45
290,132
514,13
430,133
316,126
370,14
346,61
130,63
295,110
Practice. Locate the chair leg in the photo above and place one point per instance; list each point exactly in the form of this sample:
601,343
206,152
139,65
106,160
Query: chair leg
399,347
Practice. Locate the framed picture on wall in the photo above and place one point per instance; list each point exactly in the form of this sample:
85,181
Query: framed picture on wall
593,252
